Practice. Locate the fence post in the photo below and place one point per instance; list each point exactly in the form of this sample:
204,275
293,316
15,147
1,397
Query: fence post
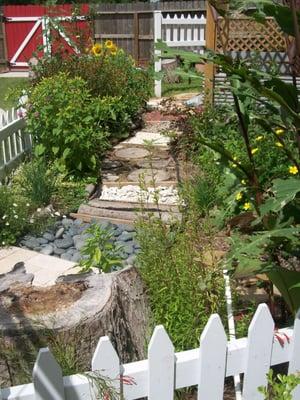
47,377
3,55
157,53
259,351
161,361
210,37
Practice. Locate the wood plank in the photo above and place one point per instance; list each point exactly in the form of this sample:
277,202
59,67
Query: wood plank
122,205
114,36
209,71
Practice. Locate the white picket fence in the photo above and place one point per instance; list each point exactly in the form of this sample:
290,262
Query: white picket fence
14,142
164,371
180,31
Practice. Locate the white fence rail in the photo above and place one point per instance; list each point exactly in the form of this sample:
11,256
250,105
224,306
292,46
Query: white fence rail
180,31
14,142
163,371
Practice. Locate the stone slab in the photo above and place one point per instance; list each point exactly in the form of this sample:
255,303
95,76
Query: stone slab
46,269
131,153
11,256
142,137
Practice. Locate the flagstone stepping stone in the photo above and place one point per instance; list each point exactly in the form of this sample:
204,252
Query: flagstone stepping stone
148,174
132,153
107,176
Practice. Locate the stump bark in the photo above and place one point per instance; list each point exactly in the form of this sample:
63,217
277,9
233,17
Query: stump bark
76,312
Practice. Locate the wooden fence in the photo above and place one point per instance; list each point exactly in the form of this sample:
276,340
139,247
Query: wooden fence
131,25
3,52
164,371
14,142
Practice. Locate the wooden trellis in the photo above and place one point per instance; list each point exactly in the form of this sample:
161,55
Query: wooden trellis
245,34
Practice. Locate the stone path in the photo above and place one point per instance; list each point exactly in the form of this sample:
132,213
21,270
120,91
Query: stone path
136,173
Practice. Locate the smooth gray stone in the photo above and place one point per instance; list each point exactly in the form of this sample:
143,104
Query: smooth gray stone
128,248
58,251
67,222
42,240
48,250
76,257
59,233
127,228
126,236
136,245
130,260
49,236
31,243
70,251
64,243
78,222
38,248
117,231
66,256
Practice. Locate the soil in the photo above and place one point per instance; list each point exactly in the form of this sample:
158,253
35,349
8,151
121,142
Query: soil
35,300
156,116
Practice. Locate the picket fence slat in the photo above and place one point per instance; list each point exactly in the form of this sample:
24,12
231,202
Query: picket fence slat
47,377
163,371
161,361
294,365
14,141
184,32
212,360
259,350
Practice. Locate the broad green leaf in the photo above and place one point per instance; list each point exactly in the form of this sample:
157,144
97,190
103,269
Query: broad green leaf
285,191
39,150
55,150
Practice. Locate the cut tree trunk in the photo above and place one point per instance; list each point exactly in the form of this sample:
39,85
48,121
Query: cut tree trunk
77,311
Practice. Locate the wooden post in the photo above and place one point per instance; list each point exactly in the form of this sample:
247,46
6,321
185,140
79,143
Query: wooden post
210,45
157,64
136,38
3,56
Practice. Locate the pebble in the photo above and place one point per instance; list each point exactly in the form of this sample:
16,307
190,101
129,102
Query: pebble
49,236
59,233
48,250
66,238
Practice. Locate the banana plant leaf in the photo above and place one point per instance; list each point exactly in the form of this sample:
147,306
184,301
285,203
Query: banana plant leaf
286,282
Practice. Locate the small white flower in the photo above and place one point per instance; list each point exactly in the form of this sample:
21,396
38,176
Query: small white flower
57,213
27,204
3,243
64,216
38,209
7,223
31,221
16,216
4,216
15,205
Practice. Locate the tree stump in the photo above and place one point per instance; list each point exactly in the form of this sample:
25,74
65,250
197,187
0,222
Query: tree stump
77,311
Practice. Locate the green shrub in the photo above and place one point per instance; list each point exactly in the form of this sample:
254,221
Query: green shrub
68,126
106,73
14,216
183,290
280,387
99,250
36,181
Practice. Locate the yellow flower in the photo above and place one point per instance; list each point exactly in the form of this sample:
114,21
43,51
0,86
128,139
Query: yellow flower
247,206
113,50
279,144
109,44
259,138
243,182
253,151
97,49
293,170
239,196
279,132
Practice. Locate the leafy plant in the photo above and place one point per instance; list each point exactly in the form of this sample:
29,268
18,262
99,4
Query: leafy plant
183,290
36,181
106,73
66,124
99,250
14,216
280,387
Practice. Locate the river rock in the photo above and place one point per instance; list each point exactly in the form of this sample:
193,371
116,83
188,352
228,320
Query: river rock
49,236
59,233
48,250
64,243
